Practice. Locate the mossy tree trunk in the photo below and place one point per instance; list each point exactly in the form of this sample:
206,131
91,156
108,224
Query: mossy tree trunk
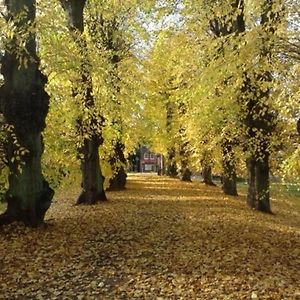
92,179
24,104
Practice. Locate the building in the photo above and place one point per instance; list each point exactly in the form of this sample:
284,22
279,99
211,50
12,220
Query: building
145,161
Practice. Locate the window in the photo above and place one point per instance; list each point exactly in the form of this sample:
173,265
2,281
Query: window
146,156
152,156
148,168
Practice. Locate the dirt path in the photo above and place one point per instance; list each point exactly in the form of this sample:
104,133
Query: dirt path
159,239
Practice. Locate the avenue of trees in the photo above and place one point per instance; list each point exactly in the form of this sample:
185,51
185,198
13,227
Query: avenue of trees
212,85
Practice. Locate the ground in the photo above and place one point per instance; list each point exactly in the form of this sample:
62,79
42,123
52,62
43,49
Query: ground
159,239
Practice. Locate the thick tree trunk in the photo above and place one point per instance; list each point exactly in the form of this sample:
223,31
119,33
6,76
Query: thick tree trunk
206,164
118,162
92,179
258,162
184,151
229,173
185,172
260,120
258,184
207,175
24,104
171,164
106,33
221,27
186,175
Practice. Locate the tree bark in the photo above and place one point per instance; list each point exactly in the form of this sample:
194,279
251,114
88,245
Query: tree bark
24,104
104,32
92,179
258,184
118,162
260,121
186,175
206,164
207,175
184,151
229,173
171,164
224,26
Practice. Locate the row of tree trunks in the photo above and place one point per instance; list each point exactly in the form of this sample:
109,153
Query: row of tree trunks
92,179
24,104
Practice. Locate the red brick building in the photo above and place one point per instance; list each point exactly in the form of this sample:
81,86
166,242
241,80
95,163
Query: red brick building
149,161
146,161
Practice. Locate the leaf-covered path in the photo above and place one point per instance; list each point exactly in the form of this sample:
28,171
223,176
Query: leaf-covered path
159,239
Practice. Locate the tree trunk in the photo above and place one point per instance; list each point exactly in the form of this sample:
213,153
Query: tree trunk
229,173
260,120
171,164
118,162
186,175
206,164
24,104
207,175
92,179
185,172
106,34
184,149
258,184
221,27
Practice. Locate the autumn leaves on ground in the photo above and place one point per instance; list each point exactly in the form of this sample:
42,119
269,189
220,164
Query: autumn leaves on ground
159,239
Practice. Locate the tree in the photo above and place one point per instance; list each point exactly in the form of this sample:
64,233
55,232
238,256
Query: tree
88,128
184,146
259,118
206,165
224,26
106,32
24,104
